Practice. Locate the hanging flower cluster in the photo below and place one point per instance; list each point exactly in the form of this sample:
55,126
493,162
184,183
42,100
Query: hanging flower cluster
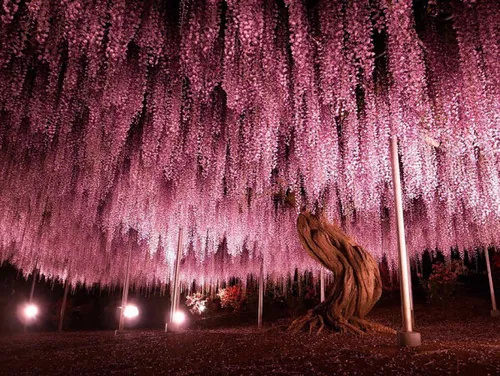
123,120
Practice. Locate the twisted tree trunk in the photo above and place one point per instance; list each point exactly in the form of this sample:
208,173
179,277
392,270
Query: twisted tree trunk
357,285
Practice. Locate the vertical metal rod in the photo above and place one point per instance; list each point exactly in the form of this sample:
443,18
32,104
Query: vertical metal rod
322,283
403,256
490,280
410,283
180,290
261,294
175,294
125,291
63,306
32,292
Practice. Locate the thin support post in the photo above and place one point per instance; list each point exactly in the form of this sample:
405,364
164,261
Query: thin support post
175,297
411,294
32,292
322,284
261,295
406,338
494,311
63,305
125,291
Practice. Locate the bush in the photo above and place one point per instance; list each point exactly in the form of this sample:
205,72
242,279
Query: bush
197,303
443,281
232,297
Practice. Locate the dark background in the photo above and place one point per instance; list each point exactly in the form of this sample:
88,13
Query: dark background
97,307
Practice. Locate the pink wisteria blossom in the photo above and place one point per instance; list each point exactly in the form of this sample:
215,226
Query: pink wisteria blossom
123,120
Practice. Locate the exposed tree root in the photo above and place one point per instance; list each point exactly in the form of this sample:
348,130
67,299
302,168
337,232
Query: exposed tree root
371,327
315,321
357,284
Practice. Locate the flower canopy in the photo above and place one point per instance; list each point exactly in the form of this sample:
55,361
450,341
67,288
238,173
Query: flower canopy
123,120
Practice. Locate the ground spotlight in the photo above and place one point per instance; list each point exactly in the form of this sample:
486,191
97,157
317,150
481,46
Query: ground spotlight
179,317
30,311
131,311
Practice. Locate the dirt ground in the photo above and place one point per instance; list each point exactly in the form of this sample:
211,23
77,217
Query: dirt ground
456,341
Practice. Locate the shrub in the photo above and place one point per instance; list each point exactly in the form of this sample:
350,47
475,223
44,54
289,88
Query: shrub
232,297
197,303
442,283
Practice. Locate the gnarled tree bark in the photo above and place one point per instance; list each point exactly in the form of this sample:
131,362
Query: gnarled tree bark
357,285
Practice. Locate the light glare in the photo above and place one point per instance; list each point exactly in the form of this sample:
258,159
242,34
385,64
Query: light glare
131,311
31,311
179,317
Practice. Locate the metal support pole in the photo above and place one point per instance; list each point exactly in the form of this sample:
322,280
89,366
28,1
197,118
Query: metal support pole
410,283
494,311
125,291
261,294
175,297
406,337
63,306
322,284
32,292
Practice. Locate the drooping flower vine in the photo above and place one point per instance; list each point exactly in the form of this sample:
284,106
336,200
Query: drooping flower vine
122,121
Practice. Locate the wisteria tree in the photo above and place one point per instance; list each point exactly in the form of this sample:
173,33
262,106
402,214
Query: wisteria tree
357,285
154,115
